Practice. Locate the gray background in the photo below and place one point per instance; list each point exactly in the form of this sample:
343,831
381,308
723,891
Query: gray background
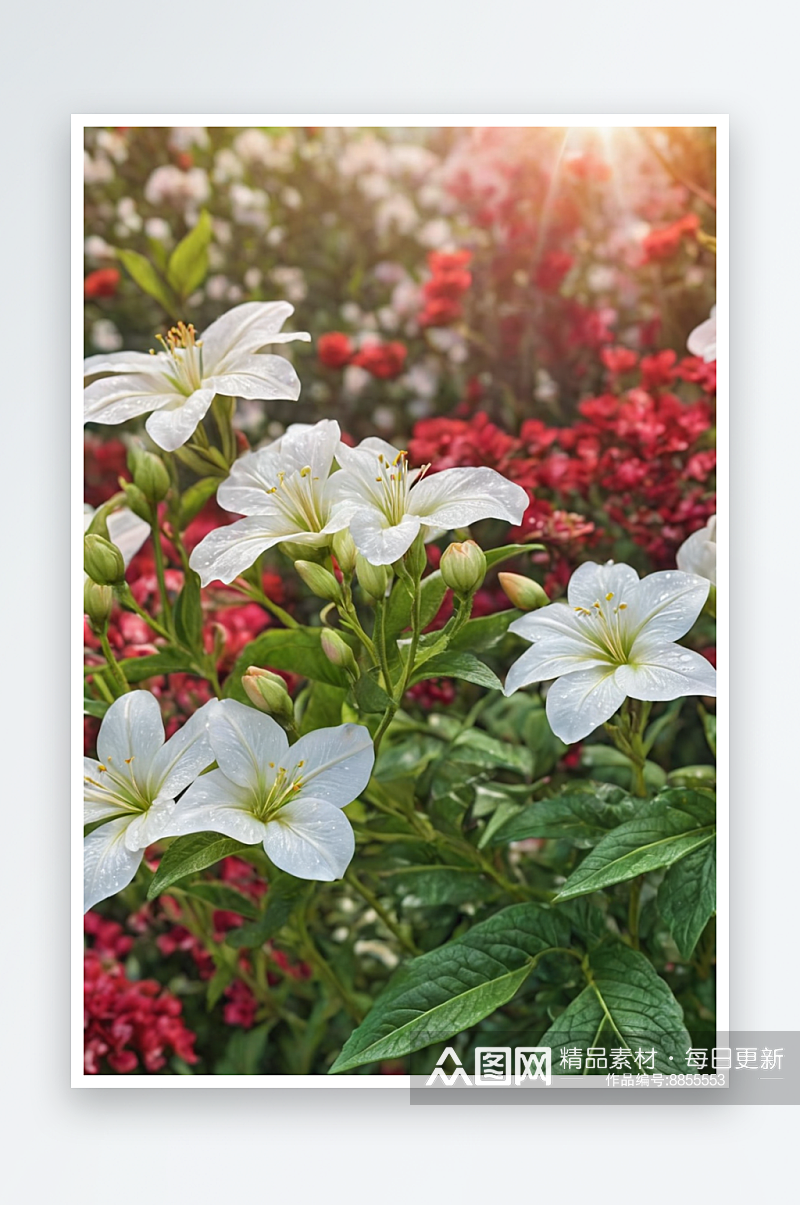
368,57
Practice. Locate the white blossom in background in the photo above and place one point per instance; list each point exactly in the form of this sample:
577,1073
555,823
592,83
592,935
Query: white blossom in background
703,339
105,336
132,787
98,170
113,144
158,229
285,493
97,248
183,138
387,503
177,385
291,282
615,639
125,529
249,206
171,186
287,798
698,554
227,166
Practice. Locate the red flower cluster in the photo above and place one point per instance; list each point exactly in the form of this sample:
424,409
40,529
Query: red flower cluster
663,242
127,1022
642,450
334,350
443,293
382,360
101,283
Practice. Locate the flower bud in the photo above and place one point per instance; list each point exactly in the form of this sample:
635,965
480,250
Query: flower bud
97,603
303,552
338,651
373,579
136,500
463,567
345,551
319,581
102,560
268,693
523,592
150,474
416,558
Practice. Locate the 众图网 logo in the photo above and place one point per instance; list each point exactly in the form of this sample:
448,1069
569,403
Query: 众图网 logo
494,1066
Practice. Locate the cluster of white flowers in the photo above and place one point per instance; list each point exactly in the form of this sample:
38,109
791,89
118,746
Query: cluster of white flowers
289,799
289,491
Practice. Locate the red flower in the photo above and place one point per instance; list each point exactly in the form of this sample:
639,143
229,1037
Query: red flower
102,283
383,360
334,349
618,359
551,271
663,242
443,292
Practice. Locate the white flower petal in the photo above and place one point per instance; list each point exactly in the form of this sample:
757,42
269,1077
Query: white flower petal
183,757
378,542
118,362
258,378
254,475
458,497
542,662
242,331
703,339
128,532
131,734
171,426
665,605
592,582
337,763
245,741
149,826
311,840
698,554
108,865
666,672
227,551
215,804
100,800
556,623
579,703
116,399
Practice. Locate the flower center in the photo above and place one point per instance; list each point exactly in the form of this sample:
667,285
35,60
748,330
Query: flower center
606,628
184,353
277,794
393,481
121,786
298,497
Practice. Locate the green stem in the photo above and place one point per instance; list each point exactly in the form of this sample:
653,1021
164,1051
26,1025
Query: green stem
634,902
325,972
113,665
127,599
375,903
158,554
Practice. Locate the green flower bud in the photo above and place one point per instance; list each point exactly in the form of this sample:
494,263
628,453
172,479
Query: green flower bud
523,592
345,551
97,603
303,552
463,567
136,500
373,579
319,581
102,560
416,558
338,651
150,474
268,693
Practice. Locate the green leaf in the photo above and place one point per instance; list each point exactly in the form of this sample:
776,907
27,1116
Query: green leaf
432,886
476,748
480,635
687,897
286,893
458,665
710,728
624,1005
223,897
323,707
582,815
188,263
195,497
95,707
188,611
188,855
295,649
444,992
167,661
398,608
148,280
221,979
496,556
675,824
245,1051
369,695
612,765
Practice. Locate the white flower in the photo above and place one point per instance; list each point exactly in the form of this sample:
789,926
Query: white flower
387,503
168,184
614,639
133,787
285,491
125,529
178,384
288,798
703,339
698,554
